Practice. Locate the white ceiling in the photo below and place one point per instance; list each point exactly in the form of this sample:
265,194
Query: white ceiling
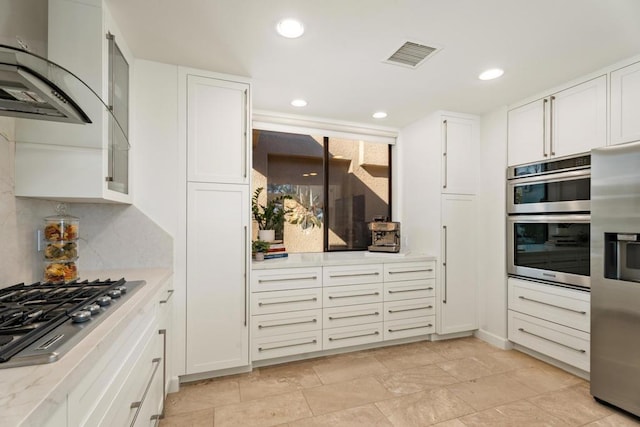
337,64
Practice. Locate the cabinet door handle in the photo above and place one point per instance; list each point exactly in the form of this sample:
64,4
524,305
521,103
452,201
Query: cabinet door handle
354,296
156,418
579,350
444,265
245,273
287,279
411,309
544,127
170,292
391,291
288,345
260,304
163,332
354,336
551,152
354,274
410,328
138,404
288,324
552,305
444,154
412,271
354,315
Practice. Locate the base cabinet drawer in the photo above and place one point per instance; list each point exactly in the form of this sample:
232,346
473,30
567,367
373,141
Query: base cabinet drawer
337,296
336,317
286,323
284,301
351,335
286,345
409,289
567,345
407,309
395,272
405,328
351,274
286,278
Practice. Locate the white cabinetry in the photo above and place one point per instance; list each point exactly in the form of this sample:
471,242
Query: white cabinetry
551,320
567,122
625,104
88,162
457,297
217,244
460,151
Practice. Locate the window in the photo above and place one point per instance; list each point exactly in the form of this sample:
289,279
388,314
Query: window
336,187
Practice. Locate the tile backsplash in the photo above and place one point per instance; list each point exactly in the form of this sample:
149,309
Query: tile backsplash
111,235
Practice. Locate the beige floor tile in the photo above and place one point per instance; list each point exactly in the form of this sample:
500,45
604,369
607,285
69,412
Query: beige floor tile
513,359
519,413
368,415
451,423
615,420
544,380
348,366
202,395
490,391
416,379
424,408
407,356
270,381
573,405
462,347
270,411
343,395
202,418
468,368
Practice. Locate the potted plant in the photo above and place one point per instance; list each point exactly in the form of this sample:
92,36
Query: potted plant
259,248
270,217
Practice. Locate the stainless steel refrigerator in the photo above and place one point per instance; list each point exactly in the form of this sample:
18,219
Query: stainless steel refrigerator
615,276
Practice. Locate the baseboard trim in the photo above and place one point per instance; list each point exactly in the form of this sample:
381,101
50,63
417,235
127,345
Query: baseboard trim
493,339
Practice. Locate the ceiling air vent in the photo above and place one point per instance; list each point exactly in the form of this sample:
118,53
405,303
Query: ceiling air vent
411,54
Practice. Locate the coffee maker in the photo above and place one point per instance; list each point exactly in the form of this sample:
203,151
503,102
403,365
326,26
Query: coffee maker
385,235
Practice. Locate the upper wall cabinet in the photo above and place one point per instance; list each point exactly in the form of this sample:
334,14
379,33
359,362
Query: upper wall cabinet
217,130
460,151
568,122
77,162
625,104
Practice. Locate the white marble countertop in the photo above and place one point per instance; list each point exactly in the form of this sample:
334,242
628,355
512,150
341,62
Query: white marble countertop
29,395
316,259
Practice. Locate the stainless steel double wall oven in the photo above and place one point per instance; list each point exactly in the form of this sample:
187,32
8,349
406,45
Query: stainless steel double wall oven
548,224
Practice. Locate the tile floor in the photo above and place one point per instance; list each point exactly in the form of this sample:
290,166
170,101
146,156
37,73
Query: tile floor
453,383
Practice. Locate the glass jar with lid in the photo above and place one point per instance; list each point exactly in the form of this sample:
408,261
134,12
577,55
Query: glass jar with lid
61,246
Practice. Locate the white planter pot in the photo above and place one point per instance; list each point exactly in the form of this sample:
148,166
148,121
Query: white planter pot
259,256
267,235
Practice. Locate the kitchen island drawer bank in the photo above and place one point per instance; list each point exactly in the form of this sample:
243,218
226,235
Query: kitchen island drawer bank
363,299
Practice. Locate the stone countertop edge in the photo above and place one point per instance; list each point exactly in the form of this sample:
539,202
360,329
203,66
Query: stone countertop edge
30,395
321,259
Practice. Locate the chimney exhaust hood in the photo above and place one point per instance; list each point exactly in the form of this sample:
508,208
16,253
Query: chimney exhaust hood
32,87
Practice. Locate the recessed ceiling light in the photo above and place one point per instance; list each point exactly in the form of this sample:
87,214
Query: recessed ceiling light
290,28
299,103
379,115
305,174
491,74
313,173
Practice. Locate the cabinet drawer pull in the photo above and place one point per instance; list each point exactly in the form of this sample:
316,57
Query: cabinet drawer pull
138,404
260,304
170,292
288,345
354,274
156,418
391,291
288,324
411,309
553,341
354,336
287,279
552,305
412,327
354,315
412,271
353,296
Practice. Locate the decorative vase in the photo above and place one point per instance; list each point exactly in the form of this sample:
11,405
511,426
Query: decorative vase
267,235
259,256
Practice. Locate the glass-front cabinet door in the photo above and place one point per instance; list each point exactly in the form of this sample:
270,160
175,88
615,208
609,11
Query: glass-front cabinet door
118,158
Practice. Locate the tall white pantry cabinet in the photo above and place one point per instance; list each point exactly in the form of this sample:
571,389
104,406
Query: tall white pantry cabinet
217,221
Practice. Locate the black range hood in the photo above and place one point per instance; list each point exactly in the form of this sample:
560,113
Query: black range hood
33,87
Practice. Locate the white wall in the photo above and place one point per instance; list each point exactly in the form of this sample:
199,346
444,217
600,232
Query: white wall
492,280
